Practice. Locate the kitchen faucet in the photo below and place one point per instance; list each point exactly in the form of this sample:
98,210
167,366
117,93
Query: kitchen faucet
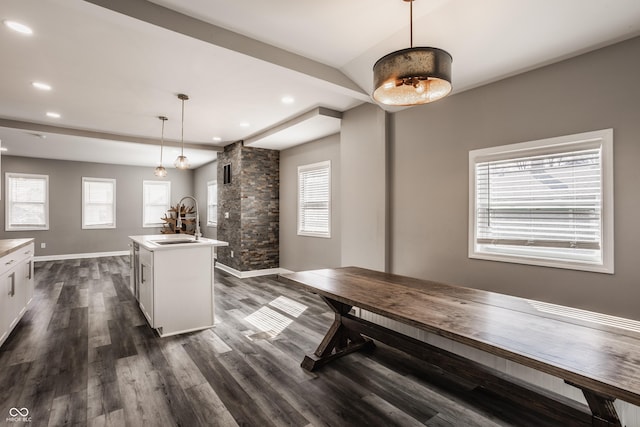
198,234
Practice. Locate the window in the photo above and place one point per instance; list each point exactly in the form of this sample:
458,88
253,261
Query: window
98,203
27,204
547,202
314,200
212,203
156,201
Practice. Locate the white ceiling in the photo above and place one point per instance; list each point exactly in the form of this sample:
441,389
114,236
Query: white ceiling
115,65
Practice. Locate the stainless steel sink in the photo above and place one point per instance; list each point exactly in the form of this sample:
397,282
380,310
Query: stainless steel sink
175,241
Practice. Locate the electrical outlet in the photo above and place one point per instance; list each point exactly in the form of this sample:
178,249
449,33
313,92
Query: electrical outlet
231,254
43,245
226,215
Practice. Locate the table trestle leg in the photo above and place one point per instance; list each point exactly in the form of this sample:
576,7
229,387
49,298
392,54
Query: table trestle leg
603,411
338,341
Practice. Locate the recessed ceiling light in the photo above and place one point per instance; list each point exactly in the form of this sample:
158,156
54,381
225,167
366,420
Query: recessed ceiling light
287,99
16,26
41,85
53,115
244,124
217,139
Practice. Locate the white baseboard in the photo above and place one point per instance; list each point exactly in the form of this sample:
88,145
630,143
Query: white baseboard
78,256
232,271
252,273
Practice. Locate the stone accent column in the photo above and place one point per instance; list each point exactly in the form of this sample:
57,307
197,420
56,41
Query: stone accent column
251,200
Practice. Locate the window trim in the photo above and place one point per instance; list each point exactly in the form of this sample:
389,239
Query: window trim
98,226
146,182
604,139
7,213
209,222
314,166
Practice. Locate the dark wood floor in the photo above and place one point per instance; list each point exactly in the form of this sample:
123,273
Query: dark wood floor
84,355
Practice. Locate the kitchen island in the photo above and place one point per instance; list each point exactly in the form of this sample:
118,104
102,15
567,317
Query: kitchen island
16,282
172,279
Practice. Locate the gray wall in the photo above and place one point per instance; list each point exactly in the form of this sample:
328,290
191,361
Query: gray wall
363,156
202,176
65,234
429,192
305,252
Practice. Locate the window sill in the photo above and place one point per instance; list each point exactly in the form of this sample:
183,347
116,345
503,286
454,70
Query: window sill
545,262
321,235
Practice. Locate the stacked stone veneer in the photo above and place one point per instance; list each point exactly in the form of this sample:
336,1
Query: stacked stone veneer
252,202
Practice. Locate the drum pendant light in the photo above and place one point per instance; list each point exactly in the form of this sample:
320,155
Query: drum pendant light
182,162
412,76
160,170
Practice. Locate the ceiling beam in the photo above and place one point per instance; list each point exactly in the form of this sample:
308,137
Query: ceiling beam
318,111
43,128
175,21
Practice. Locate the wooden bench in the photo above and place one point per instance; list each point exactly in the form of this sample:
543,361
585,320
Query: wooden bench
601,360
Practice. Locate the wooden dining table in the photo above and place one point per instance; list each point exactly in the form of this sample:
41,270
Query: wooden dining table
601,358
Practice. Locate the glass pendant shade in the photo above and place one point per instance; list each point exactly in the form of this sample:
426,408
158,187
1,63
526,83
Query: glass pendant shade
412,76
182,162
160,170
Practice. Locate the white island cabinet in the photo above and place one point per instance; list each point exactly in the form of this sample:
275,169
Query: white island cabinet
174,281
16,282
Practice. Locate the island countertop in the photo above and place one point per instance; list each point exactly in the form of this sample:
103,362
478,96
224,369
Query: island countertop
9,245
155,242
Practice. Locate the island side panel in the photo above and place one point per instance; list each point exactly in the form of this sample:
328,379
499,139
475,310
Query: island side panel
183,297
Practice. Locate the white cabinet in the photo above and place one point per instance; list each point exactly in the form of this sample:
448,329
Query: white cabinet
16,287
6,307
145,281
133,262
16,297
27,274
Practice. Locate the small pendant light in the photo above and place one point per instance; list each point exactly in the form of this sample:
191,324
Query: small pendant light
160,170
182,162
412,76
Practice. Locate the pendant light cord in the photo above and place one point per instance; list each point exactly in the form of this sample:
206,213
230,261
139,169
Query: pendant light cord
181,162
162,141
182,131
411,22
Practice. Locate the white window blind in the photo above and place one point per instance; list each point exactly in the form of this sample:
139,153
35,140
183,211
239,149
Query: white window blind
27,204
98,203
314,199
156,202
212,203
544,201
548,200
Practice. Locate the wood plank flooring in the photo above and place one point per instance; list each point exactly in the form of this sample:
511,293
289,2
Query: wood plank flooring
84,355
